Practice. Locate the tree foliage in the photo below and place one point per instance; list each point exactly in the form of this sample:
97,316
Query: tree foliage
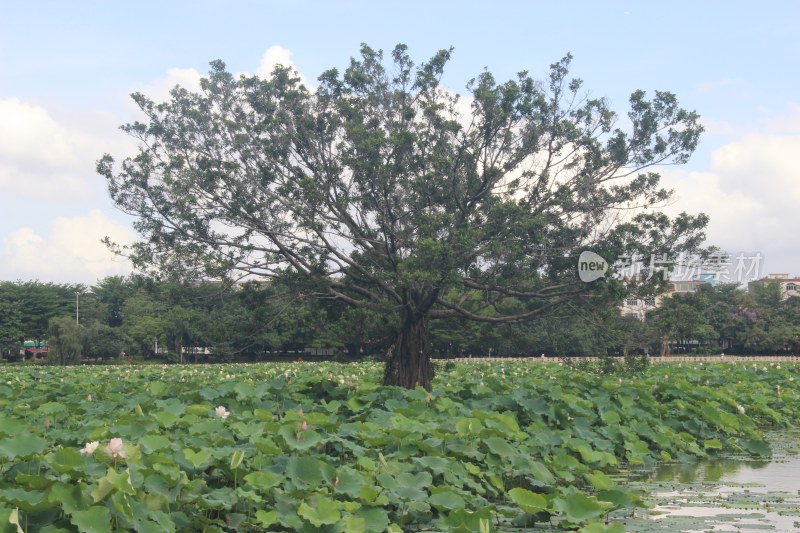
26,308
11,320
381,190
255,320
66,340
769,322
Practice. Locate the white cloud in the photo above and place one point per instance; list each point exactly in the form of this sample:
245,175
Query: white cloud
738,220
787,122
159,89
751,194
762,166
47,168
28,133
72,252
24,237
277,55
721,127
42,158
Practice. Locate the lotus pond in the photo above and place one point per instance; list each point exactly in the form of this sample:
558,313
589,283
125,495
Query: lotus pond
499,446
727,493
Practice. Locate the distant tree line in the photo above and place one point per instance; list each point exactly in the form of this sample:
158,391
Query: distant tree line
253,321
726,318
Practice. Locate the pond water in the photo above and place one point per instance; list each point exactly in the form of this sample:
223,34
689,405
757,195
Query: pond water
729,494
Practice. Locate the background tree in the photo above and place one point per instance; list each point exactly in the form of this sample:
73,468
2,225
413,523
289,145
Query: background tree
379,192
66,341
724,303
626,334
233,329
11,320
26,308
355,331
109,296
684,318
770,324
39,302
144,322
184,327
104,341
255,318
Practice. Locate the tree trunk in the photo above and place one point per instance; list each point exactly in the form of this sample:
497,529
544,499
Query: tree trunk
409,362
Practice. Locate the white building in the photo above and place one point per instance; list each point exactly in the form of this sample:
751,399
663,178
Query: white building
633,305
789,286
638,307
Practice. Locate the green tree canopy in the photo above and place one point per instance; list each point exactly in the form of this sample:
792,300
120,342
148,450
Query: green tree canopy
109,296
772,324
380,190
11,320
66,341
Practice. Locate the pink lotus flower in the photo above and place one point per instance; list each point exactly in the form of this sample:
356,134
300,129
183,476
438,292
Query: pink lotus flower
115,450
221,412
90,448
89,397
305,425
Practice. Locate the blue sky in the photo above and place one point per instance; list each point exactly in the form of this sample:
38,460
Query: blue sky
67,68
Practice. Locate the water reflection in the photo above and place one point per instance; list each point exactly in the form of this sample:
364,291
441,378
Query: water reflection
726,494
745,471
782,474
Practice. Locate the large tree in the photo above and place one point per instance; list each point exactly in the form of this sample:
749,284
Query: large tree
382,189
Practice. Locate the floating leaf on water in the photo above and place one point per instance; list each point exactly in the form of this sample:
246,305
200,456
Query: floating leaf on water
756,447
20,446
197,459
320,511
578,507
96,519
263,481
376,520
446,499
528,501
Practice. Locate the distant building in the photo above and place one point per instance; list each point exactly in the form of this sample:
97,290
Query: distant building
789,286
32,349
633,305
685,286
